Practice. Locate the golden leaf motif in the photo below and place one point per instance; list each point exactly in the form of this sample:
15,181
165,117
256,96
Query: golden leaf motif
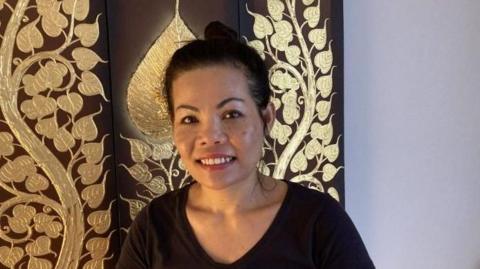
71,103
275,8
29,37
139,150
332,151
308,180
10,256
318,37
276,103
329,171
36,182
280,132
299,162
51,75
22,216
85,129
39,263
324,59
94,194
279,42
63,140
334,193
88,33
323,109
45,6
91,85
261,26
39,247
46,224
47,127
312,15
259,47
86,59
162,151
325,84
93,152
293,55
290,113
100,220
18,169
6,144
54,22
284,29
322,132
90,173
98,247
313,148
308,2
80,7
140,172
134,206
156,185
39,107
32,85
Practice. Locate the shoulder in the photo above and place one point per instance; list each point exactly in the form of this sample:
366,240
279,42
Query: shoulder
311,200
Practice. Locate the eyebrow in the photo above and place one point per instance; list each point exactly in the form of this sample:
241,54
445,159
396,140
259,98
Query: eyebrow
220,105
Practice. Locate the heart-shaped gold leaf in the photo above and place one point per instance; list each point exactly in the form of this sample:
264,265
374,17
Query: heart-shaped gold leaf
91,85
63,140
39,247
88,33
324,59
85,128
47,127
100,220
40,106
71,103
86,59
93,152
94,194
36,183
10,256
39,263
98,247
90,173
80,7
29,37
53,22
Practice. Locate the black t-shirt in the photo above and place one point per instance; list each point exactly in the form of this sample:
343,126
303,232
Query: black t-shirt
310,230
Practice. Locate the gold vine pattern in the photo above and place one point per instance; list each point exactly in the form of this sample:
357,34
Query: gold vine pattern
302,75
52,175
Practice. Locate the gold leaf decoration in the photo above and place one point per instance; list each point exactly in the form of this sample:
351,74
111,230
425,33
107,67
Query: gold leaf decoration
39,247
299,162
39,107
261,26
97,247
312,15
63,140
90,173
36,182
329,171
85,128
140,172
71,103
93,152
258,46
47,127
324,59
6,144
319,36
94,194
47,224
134,206
85,59
325,84
29,37
313,148
307,2
100,220
332,151
79,8
139,150
275,8
10,256
323,109
293,55
156,185
334,193
53,22
88,33
91,85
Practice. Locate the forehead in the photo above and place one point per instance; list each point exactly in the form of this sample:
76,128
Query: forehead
210,83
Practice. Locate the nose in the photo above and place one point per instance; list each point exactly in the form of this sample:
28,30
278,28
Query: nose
212,133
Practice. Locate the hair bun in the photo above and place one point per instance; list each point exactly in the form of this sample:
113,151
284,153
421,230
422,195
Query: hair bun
218,30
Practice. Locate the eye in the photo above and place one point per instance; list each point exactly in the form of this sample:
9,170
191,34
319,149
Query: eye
233,114
188,120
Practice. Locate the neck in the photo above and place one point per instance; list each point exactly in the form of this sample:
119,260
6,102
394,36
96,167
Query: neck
238,197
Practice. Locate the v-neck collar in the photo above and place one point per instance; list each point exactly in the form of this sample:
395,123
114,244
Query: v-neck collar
271,231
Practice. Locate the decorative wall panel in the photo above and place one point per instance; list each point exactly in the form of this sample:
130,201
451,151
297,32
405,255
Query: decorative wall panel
56,185
84,135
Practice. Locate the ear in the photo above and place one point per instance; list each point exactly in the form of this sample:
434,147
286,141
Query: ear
268,116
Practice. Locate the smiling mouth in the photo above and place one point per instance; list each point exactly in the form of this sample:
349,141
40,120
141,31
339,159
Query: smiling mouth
216,161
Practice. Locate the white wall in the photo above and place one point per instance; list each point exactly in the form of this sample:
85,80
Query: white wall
412,130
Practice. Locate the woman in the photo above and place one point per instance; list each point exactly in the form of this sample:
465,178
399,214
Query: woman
231,216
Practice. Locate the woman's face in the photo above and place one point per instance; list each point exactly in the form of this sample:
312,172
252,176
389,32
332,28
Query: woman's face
216,125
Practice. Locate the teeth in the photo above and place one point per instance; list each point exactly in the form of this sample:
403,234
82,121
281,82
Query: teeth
216,161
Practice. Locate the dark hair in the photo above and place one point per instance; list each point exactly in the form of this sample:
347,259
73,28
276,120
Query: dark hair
220,46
